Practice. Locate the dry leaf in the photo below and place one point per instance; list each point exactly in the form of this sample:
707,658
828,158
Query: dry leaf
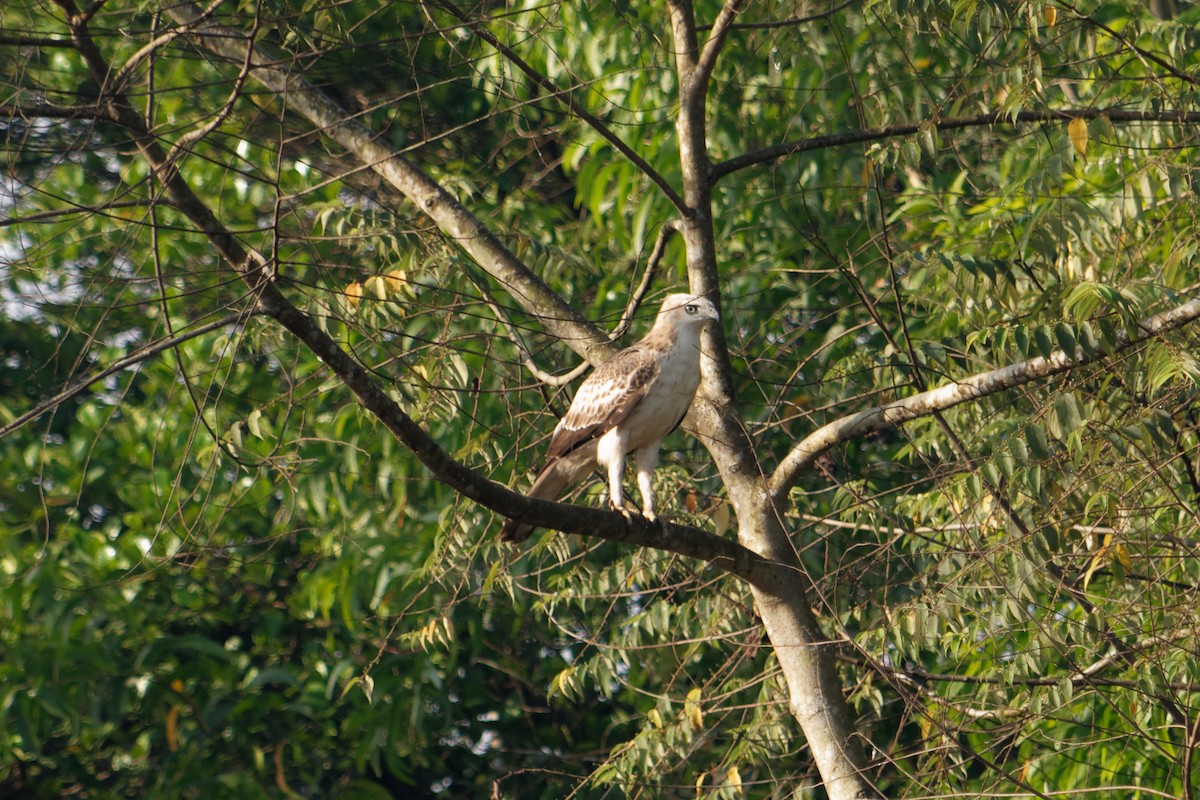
720,517
735,778
1077,130
354,293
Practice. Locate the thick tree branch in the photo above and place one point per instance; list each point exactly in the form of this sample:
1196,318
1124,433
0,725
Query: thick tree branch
447,213
952,394
996,118
610,525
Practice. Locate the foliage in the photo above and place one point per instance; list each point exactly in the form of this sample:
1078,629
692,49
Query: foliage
219,577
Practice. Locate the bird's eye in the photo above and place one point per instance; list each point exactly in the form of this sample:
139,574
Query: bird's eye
690,308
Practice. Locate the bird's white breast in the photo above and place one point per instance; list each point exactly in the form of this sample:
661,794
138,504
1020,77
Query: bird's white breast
668,399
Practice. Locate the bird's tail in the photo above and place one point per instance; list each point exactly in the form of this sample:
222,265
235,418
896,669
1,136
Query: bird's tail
548,485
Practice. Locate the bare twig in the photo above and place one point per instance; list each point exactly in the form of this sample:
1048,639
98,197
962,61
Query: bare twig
784,23
185,142
136,357
56,213
34,41
991,118
669,229
37,110
564,96
631,308
122,76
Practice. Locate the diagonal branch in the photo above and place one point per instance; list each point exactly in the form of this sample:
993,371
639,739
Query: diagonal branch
455,221
949,395
252,268
988,119
716,40
684,540
136,357
564,96
668,230
1133,46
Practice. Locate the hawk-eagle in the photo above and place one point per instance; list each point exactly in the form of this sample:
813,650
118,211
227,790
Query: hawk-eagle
627,405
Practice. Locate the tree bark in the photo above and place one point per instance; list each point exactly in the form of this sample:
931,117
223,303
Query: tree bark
802,650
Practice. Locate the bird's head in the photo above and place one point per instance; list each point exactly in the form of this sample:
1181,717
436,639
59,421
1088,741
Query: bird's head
686,309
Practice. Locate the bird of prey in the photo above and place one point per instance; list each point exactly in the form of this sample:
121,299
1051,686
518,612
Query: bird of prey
627,405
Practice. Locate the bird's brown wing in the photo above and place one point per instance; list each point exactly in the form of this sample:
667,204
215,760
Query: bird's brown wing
605,399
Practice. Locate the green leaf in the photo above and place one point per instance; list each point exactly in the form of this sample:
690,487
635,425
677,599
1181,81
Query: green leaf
1035,437
1066,411
1065,336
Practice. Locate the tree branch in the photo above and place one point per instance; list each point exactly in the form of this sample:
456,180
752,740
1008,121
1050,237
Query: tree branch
56,213
668,229
527,361
994,118
952,394
684,540
716,40
815,691
25,111
1141,52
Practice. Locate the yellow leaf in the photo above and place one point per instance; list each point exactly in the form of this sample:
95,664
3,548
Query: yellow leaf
377,287
1077,130
720,517
368,688
1097,559
354,293
735,778
395,280
691,709
1051,15
700,784
1122,556
655,718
